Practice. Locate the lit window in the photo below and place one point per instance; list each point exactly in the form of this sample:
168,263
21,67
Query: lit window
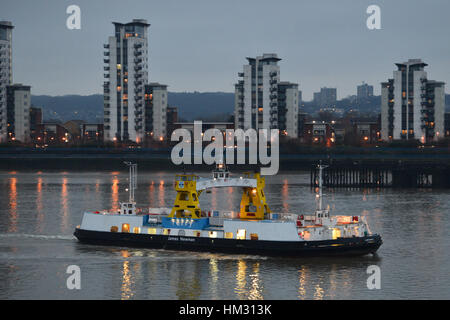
228,235
336,233
213,234
240,234
114,229
136,230
253,236
125,227
166,231
151,230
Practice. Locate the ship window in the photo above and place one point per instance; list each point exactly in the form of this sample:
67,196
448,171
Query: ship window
197,233
184,196
151,230
114,229
253,236
240,234
213,234
306,235
229,235
166,231
125,227
336,233
136,230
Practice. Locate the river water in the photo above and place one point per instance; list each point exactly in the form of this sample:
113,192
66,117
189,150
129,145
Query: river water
39,211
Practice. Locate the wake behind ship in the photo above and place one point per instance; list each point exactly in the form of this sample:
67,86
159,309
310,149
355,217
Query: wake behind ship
254,229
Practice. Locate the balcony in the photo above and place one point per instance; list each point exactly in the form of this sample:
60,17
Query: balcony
106,75
106,53
137,60
273,96
106,68
106,46
272,82
273,104
106,60
138,45
137,53
240,74
273,74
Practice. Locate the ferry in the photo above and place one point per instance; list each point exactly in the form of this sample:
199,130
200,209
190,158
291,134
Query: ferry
253,229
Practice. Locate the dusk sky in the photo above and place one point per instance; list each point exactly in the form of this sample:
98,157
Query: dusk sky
202,45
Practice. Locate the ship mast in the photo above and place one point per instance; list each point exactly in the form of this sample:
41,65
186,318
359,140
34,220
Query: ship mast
321,167
132,180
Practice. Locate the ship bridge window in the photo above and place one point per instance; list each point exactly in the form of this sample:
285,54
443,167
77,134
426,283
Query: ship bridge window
240,234
125,227
136,230
253,236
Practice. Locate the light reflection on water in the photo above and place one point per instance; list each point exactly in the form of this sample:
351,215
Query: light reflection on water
38,212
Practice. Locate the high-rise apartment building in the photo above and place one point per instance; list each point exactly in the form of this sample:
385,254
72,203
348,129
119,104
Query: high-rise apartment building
288,99
326,98
18,112
412,107
364,91
126,67
261,101
5,73
156,111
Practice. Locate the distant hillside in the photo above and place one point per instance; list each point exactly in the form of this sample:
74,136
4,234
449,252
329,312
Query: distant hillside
191,106
64,108
207,106
202,105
